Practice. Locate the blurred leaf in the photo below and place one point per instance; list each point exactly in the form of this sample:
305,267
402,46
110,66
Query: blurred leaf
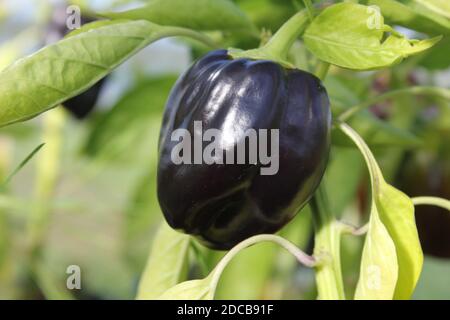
241,280
194,14
338,174
433,283
358,45
441,7
267,14
141,216
21,165
136,115
16,47
166,264
377,133
427,16
20,131
341,95
60,71
51,287
298,230
392,220
438,57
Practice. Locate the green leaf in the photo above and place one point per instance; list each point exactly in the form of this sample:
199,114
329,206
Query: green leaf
358,45
166,265
194,14
421,15
441,7
379,268
50,286
268,14
190,290
241,280
60,71
395,212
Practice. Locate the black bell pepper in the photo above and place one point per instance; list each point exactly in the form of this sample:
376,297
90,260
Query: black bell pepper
224,203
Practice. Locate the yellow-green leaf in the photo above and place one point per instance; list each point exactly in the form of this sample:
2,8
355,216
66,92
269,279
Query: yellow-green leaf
393,211
379,268
419,15
190,290
166,264
350,35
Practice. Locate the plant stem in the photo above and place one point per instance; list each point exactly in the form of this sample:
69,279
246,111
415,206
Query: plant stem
435,201
47,173
322,67
322,70
302,257
327,245
284,38
432,91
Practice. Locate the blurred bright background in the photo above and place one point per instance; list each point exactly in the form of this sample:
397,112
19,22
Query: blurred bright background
88,197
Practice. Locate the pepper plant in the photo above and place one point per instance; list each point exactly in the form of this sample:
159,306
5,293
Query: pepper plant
320,38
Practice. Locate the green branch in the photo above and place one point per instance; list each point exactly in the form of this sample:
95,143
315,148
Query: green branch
301,257
434,201
284,38
327,238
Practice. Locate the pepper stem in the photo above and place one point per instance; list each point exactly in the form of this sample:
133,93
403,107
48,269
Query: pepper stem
277,48
284,38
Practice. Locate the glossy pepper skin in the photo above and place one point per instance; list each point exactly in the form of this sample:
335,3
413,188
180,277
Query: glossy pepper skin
223,204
